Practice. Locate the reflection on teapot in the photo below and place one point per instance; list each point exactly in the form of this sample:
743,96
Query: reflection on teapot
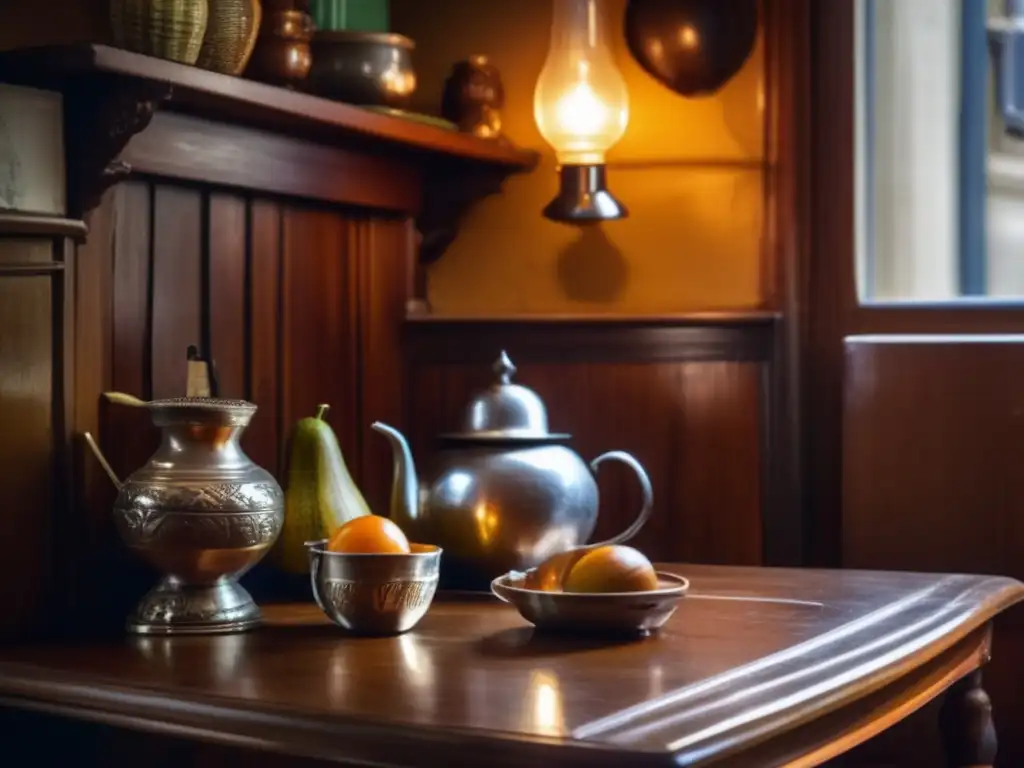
507,493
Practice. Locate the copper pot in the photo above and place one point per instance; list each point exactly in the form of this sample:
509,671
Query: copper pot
282,55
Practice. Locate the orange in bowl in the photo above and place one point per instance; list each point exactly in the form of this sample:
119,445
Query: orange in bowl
613,568
369,534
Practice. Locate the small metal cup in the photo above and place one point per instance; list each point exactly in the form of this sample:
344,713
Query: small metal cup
374,594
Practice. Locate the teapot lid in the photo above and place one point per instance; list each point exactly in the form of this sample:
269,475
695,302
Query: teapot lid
211,411
506,411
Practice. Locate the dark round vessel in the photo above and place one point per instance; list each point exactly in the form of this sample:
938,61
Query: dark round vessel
694,47
367,68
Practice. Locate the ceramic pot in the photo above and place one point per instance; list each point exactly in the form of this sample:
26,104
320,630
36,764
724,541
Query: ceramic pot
166,29
230,35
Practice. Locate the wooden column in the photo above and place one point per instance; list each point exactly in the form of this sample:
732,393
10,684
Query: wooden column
36,307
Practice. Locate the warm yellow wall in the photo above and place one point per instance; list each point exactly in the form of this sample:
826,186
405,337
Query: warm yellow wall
693,240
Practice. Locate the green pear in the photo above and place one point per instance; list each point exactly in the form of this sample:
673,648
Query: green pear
320,495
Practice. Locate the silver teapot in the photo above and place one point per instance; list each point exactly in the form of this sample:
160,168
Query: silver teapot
506,493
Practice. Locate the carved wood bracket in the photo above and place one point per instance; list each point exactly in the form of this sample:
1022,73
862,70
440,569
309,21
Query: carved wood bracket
101,114
447,197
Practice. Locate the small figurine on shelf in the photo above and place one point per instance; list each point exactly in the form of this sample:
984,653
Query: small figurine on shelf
473,97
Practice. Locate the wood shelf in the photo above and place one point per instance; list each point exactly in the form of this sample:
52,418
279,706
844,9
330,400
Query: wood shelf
18,224
128,114
234,99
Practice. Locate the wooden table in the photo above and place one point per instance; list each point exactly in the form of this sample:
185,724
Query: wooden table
759,667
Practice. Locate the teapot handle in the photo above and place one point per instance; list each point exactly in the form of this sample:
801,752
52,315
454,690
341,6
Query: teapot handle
645,489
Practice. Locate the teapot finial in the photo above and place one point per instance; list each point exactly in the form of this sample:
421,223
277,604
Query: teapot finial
504,368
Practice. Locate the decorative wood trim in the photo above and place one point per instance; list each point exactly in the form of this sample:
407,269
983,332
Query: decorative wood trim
737,337
965,722
100,115
178,146
34,225
63,422
31,269
450,198
832,736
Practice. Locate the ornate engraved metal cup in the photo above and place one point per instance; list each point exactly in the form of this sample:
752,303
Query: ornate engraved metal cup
202,513
374,594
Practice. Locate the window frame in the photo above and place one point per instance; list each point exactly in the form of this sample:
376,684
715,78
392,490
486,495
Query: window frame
972,151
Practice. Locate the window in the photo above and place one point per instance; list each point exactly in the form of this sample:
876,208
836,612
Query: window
940,149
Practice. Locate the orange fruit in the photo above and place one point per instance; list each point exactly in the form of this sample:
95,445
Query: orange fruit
611,569
549,575
369,534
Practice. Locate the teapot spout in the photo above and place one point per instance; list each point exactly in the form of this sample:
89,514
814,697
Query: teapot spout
405,506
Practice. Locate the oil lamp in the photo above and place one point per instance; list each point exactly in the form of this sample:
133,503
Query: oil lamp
582,107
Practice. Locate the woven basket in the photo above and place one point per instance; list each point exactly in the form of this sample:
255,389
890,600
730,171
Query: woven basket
230,35
167,29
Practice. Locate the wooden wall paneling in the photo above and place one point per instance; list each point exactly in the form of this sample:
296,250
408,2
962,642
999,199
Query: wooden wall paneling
64,547
27,335
128,437
177,272
226,296
381,249
132,287
92,557
719,485
932,433
319,363
263,439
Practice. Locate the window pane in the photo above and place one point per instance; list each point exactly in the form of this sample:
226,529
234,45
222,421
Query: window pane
940,149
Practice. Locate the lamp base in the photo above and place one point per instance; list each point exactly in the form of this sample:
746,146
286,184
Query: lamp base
583,196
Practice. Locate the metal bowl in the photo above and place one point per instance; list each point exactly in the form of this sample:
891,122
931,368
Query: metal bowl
363,68
607,612
370,594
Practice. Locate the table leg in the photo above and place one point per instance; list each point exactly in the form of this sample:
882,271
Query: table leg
965,721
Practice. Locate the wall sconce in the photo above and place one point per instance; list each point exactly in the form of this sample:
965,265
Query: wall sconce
582,107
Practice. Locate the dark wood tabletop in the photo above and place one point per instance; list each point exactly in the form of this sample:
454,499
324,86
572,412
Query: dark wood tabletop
777,663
